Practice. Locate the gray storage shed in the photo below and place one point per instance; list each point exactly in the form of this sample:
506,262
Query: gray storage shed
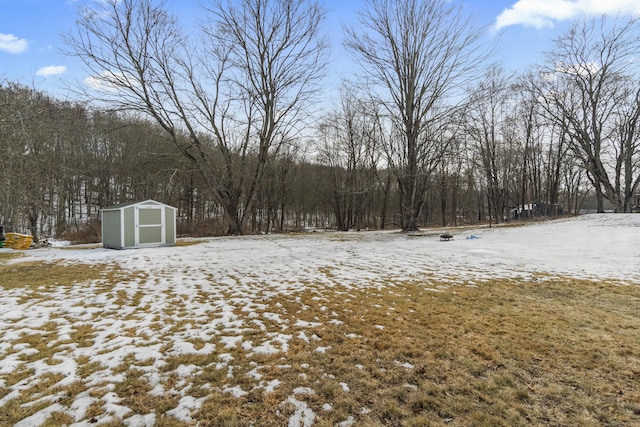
138,225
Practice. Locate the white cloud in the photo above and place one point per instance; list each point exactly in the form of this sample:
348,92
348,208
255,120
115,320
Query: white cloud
51,70
543,13
585,69
108,81
100,82
12,44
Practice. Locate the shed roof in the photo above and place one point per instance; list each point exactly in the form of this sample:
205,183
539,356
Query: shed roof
135,202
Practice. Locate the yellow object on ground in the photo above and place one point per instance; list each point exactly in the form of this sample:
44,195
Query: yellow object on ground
18,241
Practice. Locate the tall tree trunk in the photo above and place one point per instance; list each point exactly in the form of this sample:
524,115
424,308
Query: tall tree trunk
599,197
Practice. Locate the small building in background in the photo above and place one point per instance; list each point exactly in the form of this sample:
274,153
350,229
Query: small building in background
535,210
635,203
138,225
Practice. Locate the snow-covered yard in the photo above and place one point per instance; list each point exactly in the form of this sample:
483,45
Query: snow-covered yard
187,311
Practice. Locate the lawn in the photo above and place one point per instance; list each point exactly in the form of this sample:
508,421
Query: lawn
327,329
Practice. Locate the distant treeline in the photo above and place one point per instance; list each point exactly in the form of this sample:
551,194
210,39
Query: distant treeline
222,122
61,162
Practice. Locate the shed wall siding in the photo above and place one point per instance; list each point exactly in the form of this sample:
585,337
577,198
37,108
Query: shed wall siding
111,229
170,226
129,227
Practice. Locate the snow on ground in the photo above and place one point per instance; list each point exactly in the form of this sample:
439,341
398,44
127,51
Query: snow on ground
591,246
226,276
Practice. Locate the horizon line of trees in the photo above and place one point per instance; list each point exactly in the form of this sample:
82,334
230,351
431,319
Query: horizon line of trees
62,162
220,128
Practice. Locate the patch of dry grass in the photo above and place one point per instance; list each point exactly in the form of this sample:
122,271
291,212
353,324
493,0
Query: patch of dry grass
80,247
5,256
510,353
16,410
506,353
58,419
182,243
31,275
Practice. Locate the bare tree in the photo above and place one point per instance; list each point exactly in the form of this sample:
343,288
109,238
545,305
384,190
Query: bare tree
228,100
626,144
416,54
348,148
589,87
30,178
491,131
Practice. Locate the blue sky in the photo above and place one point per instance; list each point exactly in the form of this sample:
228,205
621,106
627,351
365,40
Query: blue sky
31,48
